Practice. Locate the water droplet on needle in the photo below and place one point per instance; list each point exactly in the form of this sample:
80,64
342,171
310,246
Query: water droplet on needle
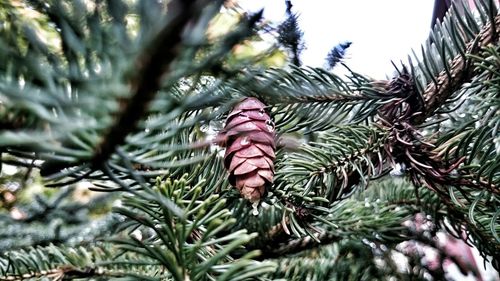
245,141
270,125
255,206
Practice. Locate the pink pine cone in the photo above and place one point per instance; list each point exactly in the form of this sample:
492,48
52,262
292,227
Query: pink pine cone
250,148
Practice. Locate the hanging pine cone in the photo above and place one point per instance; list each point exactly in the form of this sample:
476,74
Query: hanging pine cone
250,147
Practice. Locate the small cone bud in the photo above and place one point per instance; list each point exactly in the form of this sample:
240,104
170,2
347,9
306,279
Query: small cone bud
250,145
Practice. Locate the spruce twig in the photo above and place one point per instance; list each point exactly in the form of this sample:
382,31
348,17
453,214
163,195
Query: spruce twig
153,64
435,95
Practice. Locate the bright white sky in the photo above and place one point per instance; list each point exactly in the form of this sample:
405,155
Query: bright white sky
381,30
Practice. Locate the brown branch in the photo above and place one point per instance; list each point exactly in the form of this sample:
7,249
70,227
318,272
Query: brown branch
297,245
439,11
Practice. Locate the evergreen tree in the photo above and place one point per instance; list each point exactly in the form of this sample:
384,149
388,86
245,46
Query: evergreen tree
132,97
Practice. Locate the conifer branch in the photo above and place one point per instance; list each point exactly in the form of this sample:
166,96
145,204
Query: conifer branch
67,272
460,71
212,234
152,64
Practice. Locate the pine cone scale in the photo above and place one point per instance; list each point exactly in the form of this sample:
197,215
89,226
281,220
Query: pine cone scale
270,162
235,162
268,150
251,125
263,137
248,152
244,168
252,180
262,116
239,144
244,117
259,162
248,104
245,126
267,174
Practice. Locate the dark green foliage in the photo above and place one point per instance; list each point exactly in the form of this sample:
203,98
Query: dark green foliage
194,244
340,159
129,95
58,220
51,263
